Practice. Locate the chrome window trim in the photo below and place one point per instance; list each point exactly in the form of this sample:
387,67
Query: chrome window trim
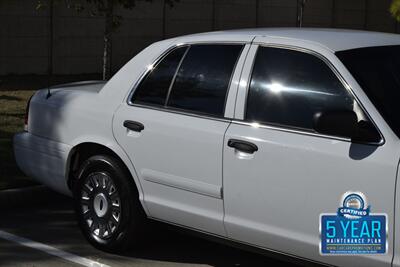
293,129
182,112
162,56
288,130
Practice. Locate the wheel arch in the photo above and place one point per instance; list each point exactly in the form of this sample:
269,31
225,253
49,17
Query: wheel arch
85,149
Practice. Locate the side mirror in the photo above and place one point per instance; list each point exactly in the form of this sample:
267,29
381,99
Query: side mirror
344,123
366,133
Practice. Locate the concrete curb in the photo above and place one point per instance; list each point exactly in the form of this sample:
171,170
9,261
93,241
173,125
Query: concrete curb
26,196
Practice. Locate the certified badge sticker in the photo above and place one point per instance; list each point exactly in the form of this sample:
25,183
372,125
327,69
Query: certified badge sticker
353,229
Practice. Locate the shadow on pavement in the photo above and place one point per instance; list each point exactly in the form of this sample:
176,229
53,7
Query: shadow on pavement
48,217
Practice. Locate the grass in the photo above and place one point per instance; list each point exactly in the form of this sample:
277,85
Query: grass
12,110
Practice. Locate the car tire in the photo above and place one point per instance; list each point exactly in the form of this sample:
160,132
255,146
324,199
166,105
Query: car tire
107,205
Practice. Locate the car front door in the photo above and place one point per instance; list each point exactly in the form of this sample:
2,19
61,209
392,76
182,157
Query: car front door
173,129
280,175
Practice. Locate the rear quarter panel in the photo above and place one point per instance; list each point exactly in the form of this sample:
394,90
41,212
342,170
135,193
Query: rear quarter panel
75,117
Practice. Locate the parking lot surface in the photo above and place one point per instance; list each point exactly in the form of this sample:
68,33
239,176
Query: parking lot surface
41,230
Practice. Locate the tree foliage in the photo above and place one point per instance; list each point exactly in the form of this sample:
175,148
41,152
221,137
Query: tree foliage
395,9
101,8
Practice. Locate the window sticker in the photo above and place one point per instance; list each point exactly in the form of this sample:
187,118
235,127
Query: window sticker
353,229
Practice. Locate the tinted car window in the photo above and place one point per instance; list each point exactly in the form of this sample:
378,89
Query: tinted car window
289,87
203,78
154,88
377,70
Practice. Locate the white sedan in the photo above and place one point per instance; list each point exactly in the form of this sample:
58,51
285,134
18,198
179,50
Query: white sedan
284,140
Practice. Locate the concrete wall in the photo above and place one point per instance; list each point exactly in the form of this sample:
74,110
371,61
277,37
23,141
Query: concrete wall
72,43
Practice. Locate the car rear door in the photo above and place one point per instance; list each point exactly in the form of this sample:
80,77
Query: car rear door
279,174
173,129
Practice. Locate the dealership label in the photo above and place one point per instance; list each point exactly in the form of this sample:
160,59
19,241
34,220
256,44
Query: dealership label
353,229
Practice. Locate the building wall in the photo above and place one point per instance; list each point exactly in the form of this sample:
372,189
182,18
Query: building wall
23,38
63,41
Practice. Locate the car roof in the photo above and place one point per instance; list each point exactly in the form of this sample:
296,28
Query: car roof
333,39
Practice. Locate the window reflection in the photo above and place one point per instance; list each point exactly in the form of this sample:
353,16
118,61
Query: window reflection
289,87
278,88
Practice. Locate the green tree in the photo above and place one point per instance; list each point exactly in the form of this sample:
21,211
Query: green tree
105,9
395,9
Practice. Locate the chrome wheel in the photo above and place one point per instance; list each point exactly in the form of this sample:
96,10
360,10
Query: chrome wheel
100,205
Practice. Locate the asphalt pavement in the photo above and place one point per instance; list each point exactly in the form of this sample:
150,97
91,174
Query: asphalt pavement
38,228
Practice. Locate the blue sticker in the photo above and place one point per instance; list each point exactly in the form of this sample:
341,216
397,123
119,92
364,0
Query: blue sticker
353,229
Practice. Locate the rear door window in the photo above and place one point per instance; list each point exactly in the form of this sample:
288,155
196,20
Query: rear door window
154,88
203,79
